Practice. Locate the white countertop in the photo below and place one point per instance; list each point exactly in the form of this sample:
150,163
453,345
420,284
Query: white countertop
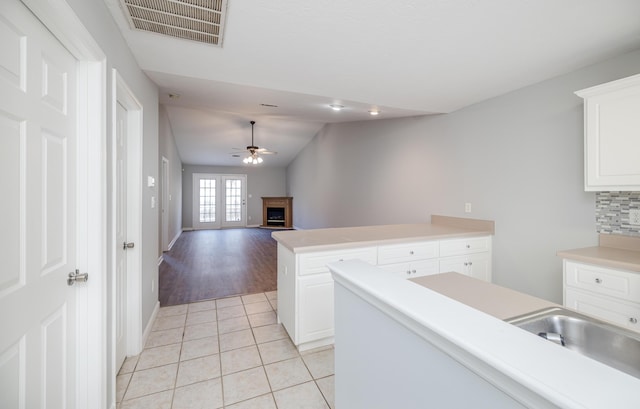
503,354
441,227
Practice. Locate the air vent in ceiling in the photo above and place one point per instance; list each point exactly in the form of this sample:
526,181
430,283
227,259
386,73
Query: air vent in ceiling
197,20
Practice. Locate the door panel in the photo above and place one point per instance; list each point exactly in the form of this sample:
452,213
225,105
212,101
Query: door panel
234,199
39,247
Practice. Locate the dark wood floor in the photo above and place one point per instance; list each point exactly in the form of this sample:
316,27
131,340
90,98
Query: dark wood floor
206,264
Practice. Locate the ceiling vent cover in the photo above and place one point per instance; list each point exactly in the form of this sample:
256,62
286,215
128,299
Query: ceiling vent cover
197,20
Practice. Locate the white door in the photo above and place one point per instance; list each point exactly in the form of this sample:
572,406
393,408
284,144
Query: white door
38,245
206,201
121,235
234,199
219,201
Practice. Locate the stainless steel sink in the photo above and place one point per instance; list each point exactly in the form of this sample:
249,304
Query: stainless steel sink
612,345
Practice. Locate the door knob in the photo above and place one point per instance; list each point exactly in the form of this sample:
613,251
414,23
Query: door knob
76,276
126,245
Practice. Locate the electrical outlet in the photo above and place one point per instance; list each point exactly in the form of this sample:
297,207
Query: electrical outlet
467,207
634,217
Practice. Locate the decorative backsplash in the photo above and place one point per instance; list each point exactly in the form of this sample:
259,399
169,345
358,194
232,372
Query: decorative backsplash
612,212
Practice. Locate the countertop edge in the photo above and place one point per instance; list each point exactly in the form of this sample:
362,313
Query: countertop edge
597,256
339,238
489,346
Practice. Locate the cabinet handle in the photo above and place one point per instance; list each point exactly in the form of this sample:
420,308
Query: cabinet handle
408,272
341,259
468,246
411,252
633,320
470,263
413,271
598,280
466,264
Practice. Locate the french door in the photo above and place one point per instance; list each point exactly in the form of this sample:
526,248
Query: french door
219,201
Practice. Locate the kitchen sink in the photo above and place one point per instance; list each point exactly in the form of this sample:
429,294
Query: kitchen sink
612,345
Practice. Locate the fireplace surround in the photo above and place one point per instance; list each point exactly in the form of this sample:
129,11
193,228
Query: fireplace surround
276,212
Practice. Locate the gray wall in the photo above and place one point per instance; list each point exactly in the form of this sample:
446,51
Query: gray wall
167,148
517,158
261,181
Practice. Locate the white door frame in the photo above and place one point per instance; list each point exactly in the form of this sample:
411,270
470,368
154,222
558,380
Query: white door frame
164,205
121,93
61,20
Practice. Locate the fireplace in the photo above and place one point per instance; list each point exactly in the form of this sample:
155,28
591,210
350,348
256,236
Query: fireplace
276,212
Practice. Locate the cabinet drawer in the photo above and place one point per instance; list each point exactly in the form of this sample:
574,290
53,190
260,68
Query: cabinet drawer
399,253
618,312
316,263
412,270
601,280
467,245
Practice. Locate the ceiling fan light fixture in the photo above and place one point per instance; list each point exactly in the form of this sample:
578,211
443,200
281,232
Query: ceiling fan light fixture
336,107
253,152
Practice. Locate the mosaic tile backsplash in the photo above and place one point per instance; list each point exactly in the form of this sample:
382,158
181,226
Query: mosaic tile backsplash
612,212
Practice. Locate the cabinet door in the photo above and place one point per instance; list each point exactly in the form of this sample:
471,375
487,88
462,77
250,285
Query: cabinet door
612,135
618,312
474,265
316,307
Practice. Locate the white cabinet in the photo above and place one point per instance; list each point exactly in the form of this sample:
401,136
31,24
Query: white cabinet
409,260
305,292
470,256
305,285
612,135
474,265
606,293
316,307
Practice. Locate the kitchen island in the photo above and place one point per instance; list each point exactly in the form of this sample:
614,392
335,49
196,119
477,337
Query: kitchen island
305,286
404,343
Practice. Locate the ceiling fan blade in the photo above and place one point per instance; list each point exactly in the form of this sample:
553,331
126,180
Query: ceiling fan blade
266,152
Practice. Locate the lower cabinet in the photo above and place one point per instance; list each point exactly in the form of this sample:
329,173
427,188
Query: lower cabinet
305,285
609,294
315,307
474,265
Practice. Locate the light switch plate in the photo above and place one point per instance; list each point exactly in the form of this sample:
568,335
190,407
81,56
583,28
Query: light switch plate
634,217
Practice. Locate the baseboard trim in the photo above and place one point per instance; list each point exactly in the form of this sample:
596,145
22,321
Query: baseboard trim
152,320
174,240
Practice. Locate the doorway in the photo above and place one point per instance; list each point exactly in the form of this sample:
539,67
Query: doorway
219,201
127,175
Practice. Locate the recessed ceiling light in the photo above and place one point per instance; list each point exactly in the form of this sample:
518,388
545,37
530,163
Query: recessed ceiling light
374,112
336,107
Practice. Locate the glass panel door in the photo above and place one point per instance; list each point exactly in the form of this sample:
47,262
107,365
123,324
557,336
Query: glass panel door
235,209
219,201
205,201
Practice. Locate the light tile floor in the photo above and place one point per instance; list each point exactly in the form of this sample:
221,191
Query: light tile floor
228,353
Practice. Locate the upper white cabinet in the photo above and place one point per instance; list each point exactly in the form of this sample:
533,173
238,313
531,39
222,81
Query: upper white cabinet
612,135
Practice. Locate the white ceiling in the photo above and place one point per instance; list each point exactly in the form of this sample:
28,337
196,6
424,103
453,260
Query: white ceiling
403,57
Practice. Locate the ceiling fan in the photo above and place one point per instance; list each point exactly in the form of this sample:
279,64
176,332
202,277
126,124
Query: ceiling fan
254,151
